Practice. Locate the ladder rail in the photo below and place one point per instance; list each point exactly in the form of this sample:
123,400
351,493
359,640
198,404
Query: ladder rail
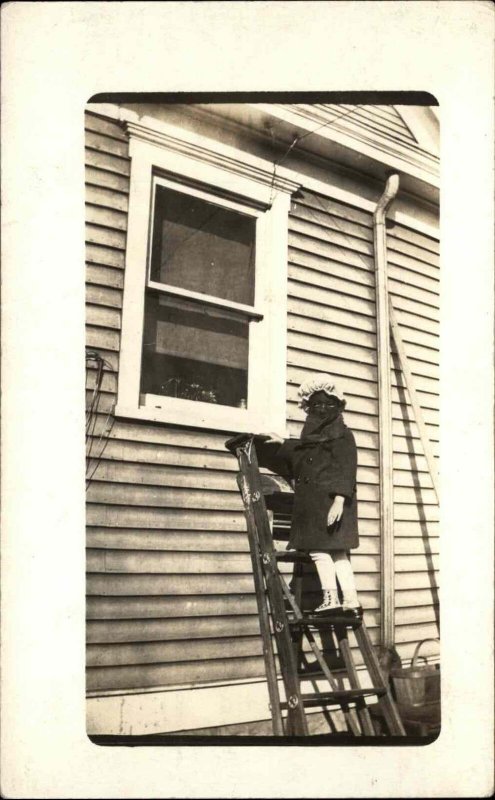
355,683
386,702
254,500
268,655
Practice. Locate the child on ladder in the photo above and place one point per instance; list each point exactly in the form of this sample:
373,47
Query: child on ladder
322,465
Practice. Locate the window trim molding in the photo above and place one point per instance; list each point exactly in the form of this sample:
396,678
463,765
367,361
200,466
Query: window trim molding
211,300
193,146
196,160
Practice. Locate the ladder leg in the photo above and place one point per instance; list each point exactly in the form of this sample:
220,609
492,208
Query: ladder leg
386,702
261,541
268,655
287,660
297,586
362,711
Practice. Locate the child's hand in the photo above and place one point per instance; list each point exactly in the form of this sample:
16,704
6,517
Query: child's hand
273,437
336,510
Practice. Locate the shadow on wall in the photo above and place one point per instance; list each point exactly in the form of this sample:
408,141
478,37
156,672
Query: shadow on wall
417,491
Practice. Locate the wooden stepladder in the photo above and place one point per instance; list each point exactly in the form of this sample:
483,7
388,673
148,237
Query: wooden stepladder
285,626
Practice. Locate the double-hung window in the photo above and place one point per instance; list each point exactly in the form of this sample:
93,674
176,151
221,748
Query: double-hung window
204,313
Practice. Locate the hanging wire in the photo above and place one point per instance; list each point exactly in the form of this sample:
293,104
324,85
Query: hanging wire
277,164
96,364
330,122
337,225
181,244
299,139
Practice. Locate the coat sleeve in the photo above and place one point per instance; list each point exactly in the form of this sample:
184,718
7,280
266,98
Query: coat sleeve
277,457
345,454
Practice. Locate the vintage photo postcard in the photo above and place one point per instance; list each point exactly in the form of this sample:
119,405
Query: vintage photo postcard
257,267
247,399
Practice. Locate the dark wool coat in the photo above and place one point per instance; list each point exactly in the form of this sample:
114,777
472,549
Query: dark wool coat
319,471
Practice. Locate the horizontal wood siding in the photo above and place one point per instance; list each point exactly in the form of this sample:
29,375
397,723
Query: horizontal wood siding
422,268
170,592
379,121
332,328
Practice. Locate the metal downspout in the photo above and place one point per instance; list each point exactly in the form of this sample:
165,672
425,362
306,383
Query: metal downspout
387,604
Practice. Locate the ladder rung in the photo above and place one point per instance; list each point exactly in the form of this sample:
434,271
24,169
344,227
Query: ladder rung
318,674
292,555
329,620
339,696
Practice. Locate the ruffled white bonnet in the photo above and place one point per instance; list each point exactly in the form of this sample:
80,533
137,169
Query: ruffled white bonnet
319,383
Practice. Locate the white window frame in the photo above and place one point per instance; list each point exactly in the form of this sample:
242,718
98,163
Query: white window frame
221,174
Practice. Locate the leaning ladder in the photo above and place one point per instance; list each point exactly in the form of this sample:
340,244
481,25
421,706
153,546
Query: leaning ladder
282,622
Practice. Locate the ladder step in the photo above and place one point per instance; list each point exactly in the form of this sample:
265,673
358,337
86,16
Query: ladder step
292,555
318,674
326,620
338,696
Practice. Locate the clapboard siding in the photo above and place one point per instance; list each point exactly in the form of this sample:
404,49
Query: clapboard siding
112,608
103,296
108,611
149,475
101,196
170,591
99,254
105,236
186,563
231,643
144,675
122,446
109,127
422,624
382,122
105,160
129,584
332,328
99,275
104,631
186,672
198,542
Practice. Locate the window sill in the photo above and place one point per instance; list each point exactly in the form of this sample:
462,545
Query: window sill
193,414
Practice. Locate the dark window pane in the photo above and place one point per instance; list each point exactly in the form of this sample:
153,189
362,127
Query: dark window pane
203,247
194,351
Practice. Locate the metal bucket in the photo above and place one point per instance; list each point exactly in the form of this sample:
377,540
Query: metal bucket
417,685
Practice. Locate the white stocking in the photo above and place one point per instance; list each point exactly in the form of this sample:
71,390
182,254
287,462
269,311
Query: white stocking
345,577
326,573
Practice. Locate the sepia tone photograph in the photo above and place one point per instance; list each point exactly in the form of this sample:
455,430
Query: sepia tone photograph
262,419
241,582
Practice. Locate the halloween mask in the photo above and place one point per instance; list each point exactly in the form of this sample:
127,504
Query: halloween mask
324,406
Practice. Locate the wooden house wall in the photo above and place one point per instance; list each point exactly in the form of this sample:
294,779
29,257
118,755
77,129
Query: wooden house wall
414,284
383,122
170,594
332,327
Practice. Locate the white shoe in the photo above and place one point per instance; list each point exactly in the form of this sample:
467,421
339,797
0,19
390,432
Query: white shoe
328,604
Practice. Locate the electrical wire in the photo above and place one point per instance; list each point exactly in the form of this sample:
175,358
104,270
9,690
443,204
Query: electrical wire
344,233
181,244
330,122
92,414
298,139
